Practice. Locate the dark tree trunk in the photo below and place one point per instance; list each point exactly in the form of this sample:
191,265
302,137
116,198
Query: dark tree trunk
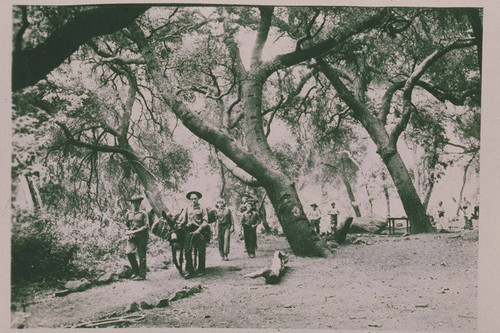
299,233
407,193
428,194
370,199
279,188
263,215
386,194
37,204
152,187
350,193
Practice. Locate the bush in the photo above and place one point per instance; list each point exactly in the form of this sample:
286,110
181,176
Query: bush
37,251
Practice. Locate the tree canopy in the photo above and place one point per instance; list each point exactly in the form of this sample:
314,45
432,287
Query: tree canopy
116,92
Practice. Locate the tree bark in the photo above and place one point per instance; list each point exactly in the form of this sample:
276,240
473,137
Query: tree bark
299,233
279,188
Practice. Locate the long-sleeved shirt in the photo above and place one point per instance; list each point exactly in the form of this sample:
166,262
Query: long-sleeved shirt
193,215
136,220
250,218
314,214
224,217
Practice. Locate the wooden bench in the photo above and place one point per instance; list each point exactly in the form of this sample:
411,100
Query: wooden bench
391,223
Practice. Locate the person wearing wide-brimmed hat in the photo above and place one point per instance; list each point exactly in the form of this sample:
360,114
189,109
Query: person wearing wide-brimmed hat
242,208
315,217
137,238
194,219
224,219
249,221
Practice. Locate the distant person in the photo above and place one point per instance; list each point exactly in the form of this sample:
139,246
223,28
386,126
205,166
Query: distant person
468,215
249,221
137,238
224,220
194,219
315,217
241,210
334,217
440,220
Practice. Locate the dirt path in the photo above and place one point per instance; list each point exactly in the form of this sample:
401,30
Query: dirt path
415,283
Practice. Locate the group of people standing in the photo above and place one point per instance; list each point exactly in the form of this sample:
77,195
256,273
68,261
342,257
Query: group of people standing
196,221
314,217
442,223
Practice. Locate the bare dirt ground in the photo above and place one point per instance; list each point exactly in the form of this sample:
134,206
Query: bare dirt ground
416,283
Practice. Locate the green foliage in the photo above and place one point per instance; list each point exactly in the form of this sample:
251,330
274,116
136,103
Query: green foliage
37,251
291,159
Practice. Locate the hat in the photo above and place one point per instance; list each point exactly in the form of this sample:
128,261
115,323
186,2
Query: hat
314,205
136,198
198,194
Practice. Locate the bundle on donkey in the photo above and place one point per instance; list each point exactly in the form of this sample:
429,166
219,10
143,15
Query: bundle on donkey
166,228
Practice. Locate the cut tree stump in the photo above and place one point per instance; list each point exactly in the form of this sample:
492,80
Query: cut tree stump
273,273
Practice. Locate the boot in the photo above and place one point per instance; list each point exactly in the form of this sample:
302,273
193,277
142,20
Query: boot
142,268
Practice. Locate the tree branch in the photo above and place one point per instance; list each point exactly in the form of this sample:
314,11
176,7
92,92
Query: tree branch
199,126
293,58
95,147
237,172
31,65
266,14
438,93
414,78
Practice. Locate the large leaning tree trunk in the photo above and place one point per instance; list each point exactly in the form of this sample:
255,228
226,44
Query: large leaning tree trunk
387,142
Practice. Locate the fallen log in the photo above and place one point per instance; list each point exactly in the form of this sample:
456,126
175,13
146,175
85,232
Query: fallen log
273,273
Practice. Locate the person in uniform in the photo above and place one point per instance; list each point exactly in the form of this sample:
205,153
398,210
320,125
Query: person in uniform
241,210
249,221
195,221
334,217
315,217
224,219
137,238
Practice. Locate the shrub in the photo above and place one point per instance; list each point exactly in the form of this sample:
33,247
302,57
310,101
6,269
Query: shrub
37,252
